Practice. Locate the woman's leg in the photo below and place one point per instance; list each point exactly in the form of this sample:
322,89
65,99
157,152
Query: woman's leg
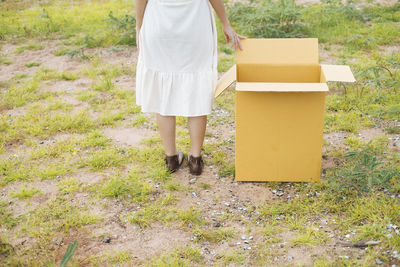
197,130
166,127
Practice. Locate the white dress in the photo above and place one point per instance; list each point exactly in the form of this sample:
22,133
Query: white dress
176,71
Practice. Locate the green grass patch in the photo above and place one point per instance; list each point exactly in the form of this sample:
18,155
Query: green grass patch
25,192
184,256
31,46
212,235
32,64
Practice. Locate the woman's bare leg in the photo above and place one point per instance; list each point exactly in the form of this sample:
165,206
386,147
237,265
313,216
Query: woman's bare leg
197,130
166,127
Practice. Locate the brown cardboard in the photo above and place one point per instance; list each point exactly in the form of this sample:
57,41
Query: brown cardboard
279,113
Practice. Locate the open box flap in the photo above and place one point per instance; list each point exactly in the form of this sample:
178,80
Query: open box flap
281,87
337,73
272,51
226,80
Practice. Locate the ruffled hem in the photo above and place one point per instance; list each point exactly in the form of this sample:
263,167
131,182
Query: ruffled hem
175,93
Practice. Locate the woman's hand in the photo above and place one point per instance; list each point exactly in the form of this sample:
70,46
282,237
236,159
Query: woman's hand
231,35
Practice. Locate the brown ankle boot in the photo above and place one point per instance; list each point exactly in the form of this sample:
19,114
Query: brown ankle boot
196,164
174,162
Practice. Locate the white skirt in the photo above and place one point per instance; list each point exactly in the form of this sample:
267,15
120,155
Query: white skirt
176,72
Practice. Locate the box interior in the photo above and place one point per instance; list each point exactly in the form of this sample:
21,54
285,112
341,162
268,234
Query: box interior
275,73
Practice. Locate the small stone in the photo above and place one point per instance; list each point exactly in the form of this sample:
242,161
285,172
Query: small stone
278,218
107,239
152,198
192,181
133,227
347,236
378,261
227,204
59,241
274,191
238,243
194,194
290,258
251,237
243,237
217,224
198,203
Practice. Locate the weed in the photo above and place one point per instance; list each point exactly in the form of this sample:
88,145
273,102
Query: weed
235,256
5,61
57,215
268,19
32,64
184,256
113,256
125,26
362,171
140,120
25,192
225,63
310,236
69,185
31,46
107,158
393,130
213,236
128,186
204,186
159,211
6,216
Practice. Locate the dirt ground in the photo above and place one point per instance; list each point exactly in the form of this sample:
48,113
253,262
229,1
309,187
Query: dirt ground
223,195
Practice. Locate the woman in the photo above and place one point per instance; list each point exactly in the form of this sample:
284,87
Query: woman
176,72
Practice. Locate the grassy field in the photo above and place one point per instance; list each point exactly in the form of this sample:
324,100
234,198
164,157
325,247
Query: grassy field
80,162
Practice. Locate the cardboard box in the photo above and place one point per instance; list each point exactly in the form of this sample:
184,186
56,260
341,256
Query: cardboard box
279,113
